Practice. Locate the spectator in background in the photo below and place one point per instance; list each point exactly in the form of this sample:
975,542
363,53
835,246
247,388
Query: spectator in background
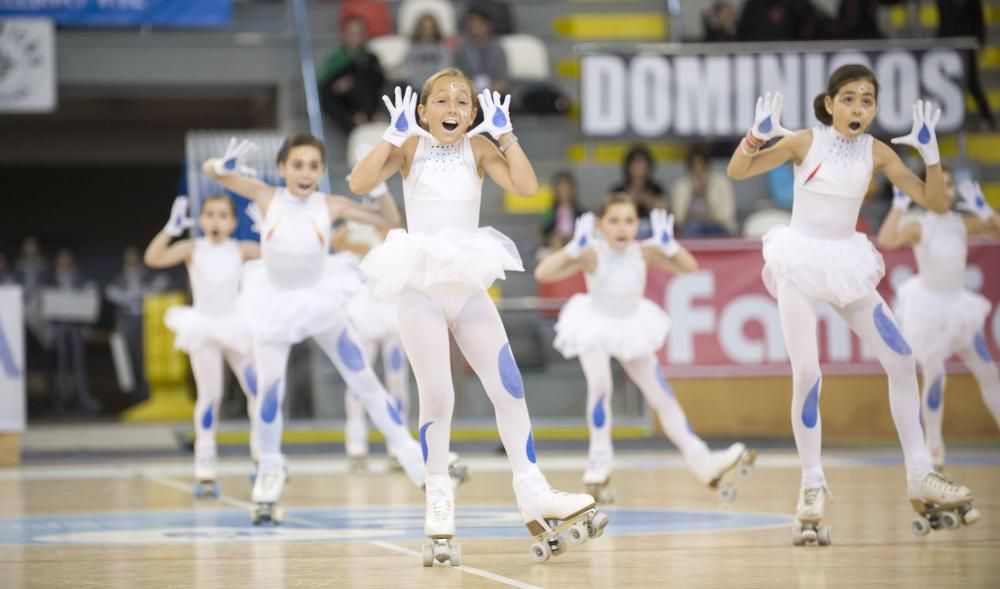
351,79
720,21
639,184
499,13
780,20
428,53
31,271
703,201
68,339
375,13
964,18
480,56
858,19
127,292
559,221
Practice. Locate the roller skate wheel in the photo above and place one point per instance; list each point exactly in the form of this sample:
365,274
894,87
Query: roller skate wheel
921,526
278,515
428,555
605,495
971,516
456,555
197,491
950,520
209,489
558,546
597,525
578,533
809,536
797,534
540,552
823,536
459,472
746,470
727,493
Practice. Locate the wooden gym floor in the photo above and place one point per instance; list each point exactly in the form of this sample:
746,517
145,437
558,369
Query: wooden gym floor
135,524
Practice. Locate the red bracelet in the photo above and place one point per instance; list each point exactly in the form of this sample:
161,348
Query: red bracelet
753,141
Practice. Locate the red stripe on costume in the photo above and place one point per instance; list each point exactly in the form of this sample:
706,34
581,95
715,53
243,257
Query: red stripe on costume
813,173
319,236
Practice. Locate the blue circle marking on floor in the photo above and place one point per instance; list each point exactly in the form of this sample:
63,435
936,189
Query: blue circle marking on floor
337,524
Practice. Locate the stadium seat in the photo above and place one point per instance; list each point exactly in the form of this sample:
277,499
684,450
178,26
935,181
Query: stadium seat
527,57
391,53
368,134
759,222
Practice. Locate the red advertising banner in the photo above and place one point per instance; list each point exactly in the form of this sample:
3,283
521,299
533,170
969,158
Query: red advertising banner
724,323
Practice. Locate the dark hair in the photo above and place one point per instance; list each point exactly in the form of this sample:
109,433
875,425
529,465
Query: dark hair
481,12
298,140
696,152
218,196
616,198
636,151
840,76
416,28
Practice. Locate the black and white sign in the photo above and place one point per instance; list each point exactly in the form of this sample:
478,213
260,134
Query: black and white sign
655,94
27,65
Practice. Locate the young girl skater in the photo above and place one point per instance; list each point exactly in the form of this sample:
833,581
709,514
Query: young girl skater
211,331
299,292
615,320
937,315
820,257
438,271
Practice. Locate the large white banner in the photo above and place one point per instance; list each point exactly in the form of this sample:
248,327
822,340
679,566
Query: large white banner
12,416
27,65
653,92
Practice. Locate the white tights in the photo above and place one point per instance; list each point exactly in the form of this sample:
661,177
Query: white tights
424,323
647,374
871,319
206,365
396,374
977,358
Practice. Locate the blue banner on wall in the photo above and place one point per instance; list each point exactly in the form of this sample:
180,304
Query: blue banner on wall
123,13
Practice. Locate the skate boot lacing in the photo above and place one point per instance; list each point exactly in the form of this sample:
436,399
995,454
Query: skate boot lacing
944,485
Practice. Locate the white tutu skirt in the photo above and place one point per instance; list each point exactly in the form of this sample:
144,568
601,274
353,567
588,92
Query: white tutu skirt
936,324
838,271
420,261
194,329
582,328
289,316
373,319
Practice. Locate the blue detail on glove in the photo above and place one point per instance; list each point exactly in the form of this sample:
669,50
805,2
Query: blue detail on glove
924,136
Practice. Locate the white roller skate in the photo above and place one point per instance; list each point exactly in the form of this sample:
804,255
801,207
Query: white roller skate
717,469
597,480
807,530
942,505
439,523
357,463
205,472
547,512
267,488
458,472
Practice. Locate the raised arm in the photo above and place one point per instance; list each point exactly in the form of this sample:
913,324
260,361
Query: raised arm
160,253
984,220
893,235
386,216
930,193
662,250
750,158
231,173
509,167
389,155
577,256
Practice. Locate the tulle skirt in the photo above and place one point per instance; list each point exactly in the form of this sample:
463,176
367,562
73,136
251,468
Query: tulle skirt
838,271
420,261
937,324
278,315
373,319
582,327
194,329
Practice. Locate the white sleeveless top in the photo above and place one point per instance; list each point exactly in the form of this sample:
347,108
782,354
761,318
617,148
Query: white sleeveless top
295,239
443,188
215,275
941,253
830,184
619,282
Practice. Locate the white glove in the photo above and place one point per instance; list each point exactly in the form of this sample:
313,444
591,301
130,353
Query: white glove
922,136
767,119
663,232
256,218
402,118
496,115
583,235
179,220
973,200
232,160
899,199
